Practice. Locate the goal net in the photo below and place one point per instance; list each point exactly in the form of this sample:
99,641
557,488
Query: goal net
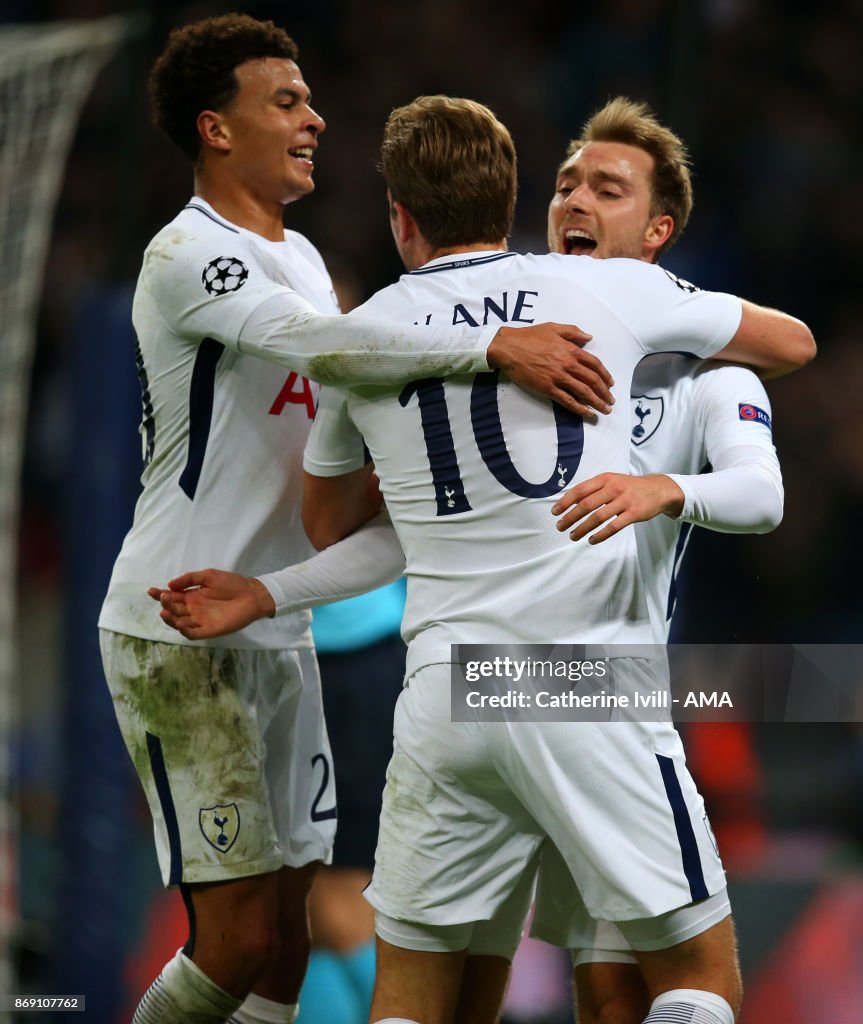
46,72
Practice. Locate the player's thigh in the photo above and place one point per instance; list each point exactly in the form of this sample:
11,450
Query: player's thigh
243,911
189,719
470,838
491,950
482,991
299,764
705,961
416,985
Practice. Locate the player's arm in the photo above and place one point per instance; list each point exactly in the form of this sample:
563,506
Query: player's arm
336,506
251,313
357,349
210,603
667,314
340,490
743,494
769,341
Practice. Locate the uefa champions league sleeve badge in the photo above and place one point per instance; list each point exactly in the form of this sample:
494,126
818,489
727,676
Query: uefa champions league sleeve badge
224,274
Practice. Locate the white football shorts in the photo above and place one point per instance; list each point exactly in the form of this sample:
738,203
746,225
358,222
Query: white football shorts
561,918
232,750
467,805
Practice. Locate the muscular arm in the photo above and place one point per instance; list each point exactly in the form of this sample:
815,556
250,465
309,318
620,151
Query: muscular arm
335,506
769,341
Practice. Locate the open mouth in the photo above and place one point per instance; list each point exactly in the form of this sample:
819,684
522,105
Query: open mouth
577,242
304,153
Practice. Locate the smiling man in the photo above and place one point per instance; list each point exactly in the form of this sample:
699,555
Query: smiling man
233,315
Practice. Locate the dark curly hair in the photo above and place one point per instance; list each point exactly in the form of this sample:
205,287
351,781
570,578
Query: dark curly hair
196,70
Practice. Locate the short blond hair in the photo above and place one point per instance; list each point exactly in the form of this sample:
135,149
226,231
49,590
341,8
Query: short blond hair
453,165
635,124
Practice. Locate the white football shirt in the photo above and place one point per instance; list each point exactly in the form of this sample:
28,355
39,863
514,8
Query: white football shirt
223,430
471,466
685,414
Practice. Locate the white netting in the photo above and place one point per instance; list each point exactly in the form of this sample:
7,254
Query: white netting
46,72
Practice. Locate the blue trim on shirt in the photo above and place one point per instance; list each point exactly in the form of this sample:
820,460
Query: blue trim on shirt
201,395
458,264
679,550
215,220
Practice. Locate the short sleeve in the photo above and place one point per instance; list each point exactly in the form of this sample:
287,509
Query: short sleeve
666,313
335,446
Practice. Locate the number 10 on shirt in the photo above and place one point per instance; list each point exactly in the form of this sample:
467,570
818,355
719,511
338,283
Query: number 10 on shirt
488,434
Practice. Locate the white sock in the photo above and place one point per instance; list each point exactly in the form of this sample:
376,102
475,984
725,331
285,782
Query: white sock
257,1010
689,1006
183,994
396,1020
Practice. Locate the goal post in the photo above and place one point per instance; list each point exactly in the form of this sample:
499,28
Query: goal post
46,73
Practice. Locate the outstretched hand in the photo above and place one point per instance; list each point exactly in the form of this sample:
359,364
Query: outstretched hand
549,358
618,500
210,603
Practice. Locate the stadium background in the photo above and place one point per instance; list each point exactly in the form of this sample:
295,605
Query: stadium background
768,95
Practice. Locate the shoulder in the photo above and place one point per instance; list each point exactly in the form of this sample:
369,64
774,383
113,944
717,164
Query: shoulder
721,379
193,238
393,302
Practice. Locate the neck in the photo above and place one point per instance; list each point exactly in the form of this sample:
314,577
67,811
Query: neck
241,207
457,250
425,252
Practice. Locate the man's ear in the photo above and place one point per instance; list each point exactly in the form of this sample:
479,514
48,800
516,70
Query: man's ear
659,230
402,222
213,131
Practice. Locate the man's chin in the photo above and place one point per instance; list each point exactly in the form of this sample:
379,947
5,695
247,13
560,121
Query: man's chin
298,191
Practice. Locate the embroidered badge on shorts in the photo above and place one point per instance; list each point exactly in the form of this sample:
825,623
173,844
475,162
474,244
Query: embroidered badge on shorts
753,414
220,825
224,274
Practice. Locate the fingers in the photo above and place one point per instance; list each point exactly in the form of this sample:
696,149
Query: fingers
595,520
589,363
577,496
598,507
571,404
615,526
184,625
189,579
590,390
156,593
569,332
587,380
